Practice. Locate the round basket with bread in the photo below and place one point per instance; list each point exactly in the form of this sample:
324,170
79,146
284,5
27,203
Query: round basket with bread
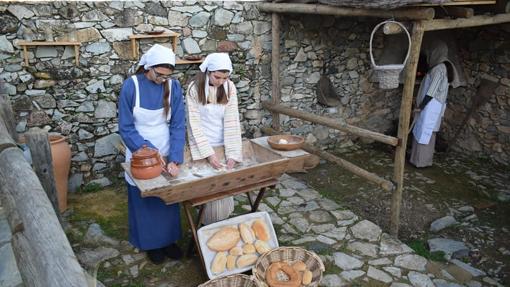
288,267
236,280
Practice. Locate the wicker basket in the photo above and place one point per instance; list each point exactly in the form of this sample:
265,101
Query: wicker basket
289,254
237,280
388,75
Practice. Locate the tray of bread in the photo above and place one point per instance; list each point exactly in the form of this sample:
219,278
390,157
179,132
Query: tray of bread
233,245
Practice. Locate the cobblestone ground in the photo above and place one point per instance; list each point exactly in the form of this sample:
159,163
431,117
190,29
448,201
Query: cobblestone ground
354,250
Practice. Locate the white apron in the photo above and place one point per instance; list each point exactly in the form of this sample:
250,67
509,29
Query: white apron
151,125
211,118
428,121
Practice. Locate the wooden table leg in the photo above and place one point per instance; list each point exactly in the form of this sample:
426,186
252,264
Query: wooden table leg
255,205
198,224
187,208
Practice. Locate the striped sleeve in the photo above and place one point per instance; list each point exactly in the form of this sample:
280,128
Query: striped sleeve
198,143
232,127
437,75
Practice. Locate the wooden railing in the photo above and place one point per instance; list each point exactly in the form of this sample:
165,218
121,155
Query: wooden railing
42,251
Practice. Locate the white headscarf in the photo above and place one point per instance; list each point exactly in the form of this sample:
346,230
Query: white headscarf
157,55
216,62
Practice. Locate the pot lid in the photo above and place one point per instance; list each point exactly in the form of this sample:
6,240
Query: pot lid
145,152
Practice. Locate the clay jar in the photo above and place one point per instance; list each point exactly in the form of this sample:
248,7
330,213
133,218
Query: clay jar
146,163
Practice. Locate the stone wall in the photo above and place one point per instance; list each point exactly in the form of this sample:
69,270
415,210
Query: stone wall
80,101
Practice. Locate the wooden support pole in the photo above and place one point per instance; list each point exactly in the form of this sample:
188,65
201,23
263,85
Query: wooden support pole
40,150
403,13
7,115
332,123
381,182
43,253
458,12
275,69
403,126
475,21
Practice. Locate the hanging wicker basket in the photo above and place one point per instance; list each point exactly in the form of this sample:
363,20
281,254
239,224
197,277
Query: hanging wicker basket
388,75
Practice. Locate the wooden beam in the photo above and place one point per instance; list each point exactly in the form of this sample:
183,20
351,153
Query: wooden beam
39,145
403,126
372,177
332,123
275,68
43,253
7,115
403,13
475,21
457,12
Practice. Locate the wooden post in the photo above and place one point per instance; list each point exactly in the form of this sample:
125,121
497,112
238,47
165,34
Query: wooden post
403,125
37,141
318,9
25,55
275,68
332,123
77,55
7,115
43,253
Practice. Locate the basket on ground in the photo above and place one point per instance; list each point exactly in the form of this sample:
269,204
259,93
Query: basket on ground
236,280
388,75
289,255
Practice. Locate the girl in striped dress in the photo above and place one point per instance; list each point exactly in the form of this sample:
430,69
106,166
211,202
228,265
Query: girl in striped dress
213,120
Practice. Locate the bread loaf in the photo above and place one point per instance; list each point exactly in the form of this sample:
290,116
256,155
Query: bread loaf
307,277
231,262
249,249
246,233
299,266
219,262
236,251
262,246
224,239
260,229
246,260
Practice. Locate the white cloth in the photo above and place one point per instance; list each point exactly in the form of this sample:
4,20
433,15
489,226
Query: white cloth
151,125
157,55
216,62
428,121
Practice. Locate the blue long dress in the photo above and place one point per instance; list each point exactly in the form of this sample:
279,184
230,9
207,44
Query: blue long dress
152,223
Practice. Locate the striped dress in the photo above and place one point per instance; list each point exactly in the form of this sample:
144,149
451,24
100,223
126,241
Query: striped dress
201,148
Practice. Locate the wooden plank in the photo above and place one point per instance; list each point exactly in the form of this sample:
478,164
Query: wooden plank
40,150
475,21
48,43
187,62
403,126
403,13
332,123
43,253
7,116
458,3
458,12
275,68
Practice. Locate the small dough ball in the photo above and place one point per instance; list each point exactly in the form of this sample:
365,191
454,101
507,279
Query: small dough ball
283,141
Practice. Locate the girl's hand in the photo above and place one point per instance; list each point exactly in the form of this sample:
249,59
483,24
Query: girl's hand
173,169
230,163
214,162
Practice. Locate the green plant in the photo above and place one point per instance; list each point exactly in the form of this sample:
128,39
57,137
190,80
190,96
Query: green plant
91,187
420,248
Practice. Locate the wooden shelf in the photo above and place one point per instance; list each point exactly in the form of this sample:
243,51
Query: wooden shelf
187,62
171,35
452,3
26,44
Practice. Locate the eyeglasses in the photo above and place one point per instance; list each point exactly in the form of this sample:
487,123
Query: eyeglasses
161,76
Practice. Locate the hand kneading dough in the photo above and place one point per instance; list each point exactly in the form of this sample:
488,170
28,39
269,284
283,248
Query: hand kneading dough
236,251
246,233
219,261
262,246
246,260
231,262
248,249
307,277
260,229
224,239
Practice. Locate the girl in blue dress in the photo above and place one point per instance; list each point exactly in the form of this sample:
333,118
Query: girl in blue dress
151,112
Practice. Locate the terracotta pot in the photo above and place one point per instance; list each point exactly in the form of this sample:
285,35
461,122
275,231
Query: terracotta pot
61,157
146,163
